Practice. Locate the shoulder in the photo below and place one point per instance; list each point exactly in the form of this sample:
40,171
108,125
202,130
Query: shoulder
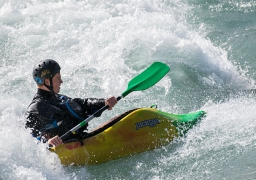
41,106
35,104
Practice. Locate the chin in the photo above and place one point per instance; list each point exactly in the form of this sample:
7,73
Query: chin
57,91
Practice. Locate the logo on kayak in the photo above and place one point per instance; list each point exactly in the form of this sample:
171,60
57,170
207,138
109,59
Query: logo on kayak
145,123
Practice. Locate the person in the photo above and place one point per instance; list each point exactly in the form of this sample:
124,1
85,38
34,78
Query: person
51,114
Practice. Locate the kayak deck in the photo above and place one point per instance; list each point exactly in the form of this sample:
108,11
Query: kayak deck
131,133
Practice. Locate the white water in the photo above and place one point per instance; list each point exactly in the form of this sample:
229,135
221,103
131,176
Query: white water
100,47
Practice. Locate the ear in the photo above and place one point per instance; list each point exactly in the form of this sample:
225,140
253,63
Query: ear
47,81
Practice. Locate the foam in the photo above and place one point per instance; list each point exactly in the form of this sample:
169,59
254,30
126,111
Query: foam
101,46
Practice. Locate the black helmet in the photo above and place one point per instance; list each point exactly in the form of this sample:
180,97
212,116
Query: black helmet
45,69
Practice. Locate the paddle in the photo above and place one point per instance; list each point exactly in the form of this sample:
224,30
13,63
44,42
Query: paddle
144,80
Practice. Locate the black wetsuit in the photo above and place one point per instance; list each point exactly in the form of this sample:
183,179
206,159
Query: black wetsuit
48,116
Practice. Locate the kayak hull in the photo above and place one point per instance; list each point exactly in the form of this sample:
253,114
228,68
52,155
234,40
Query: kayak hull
142,129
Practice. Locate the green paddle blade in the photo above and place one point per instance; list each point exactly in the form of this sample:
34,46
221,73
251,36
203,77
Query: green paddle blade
147,78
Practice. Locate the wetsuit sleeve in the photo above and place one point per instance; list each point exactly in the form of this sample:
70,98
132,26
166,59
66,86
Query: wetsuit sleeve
33,125
90,105
38,117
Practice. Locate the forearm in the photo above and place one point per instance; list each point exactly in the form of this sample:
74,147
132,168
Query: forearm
90,105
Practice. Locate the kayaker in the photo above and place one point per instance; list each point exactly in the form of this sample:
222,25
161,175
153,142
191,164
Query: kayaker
51,114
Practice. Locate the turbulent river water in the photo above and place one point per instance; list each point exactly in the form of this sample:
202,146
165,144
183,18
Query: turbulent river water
101,45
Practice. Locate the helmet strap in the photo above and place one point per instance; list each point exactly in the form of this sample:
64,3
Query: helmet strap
51,88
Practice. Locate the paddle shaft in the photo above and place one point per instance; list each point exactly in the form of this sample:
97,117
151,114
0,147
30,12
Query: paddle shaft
84,122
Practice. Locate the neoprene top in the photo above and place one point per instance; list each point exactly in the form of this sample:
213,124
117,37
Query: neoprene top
48,116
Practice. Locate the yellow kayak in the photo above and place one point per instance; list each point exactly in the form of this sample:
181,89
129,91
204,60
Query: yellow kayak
130,133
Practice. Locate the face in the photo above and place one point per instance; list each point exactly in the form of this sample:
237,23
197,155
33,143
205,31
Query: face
56,81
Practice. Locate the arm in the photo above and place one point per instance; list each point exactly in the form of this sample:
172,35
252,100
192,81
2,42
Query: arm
56,140
33,122
90,105
36,123
42,121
